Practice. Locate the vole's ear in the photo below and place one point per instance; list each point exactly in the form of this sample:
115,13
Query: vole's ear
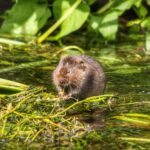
82,65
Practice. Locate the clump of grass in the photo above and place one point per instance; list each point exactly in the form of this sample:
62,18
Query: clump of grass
10,87
35,115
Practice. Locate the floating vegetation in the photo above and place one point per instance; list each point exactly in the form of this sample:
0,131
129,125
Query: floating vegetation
135,119
35,114
10,87
34,117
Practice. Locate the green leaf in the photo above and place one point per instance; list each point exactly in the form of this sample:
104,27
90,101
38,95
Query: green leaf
135,120
146,23
122,5
135,139
26,18
107,24
133,22
138,3
10,87
74,21
137,115
94,23
141,11
90,2
148,2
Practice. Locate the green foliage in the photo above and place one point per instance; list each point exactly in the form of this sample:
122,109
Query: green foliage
107,25
122,6
26,18
141,11
74,21
37,119
36,115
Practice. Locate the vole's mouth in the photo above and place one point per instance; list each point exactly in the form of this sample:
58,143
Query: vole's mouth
64,85
67,87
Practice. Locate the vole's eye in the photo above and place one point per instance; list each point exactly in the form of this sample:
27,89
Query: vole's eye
82,65
81,62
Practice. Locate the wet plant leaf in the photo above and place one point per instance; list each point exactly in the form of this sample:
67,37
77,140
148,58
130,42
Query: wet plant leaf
135,139
137,115
11,42
107,25
10,87
148,1
135,119
122,6
138,3
141,11
26,18
145,23
74,21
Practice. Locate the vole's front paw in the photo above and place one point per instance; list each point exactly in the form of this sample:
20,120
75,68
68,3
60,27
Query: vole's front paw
66,97
61,95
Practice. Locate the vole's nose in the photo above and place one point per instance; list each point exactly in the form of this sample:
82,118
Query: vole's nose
62,81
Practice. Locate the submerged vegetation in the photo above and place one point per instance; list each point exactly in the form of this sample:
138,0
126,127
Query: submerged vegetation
33,35
36,118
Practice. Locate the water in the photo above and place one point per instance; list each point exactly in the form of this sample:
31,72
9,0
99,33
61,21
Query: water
122,122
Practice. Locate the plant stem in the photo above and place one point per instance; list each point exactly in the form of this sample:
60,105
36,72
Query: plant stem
135,139
59,22
25,66
105,7
92,99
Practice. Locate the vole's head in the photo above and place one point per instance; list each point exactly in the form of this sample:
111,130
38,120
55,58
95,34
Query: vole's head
71,71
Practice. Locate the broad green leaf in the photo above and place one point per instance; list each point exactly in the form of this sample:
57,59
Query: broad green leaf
146,23
122,5
74,21
138,3
94,23
107,24
141,11
26,18
148,2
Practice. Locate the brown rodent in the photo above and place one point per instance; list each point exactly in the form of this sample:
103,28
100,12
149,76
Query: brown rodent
78,77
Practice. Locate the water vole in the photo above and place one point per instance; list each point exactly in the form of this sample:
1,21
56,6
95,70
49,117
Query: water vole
78,77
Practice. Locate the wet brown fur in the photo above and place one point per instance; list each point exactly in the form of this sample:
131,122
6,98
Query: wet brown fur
78,77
